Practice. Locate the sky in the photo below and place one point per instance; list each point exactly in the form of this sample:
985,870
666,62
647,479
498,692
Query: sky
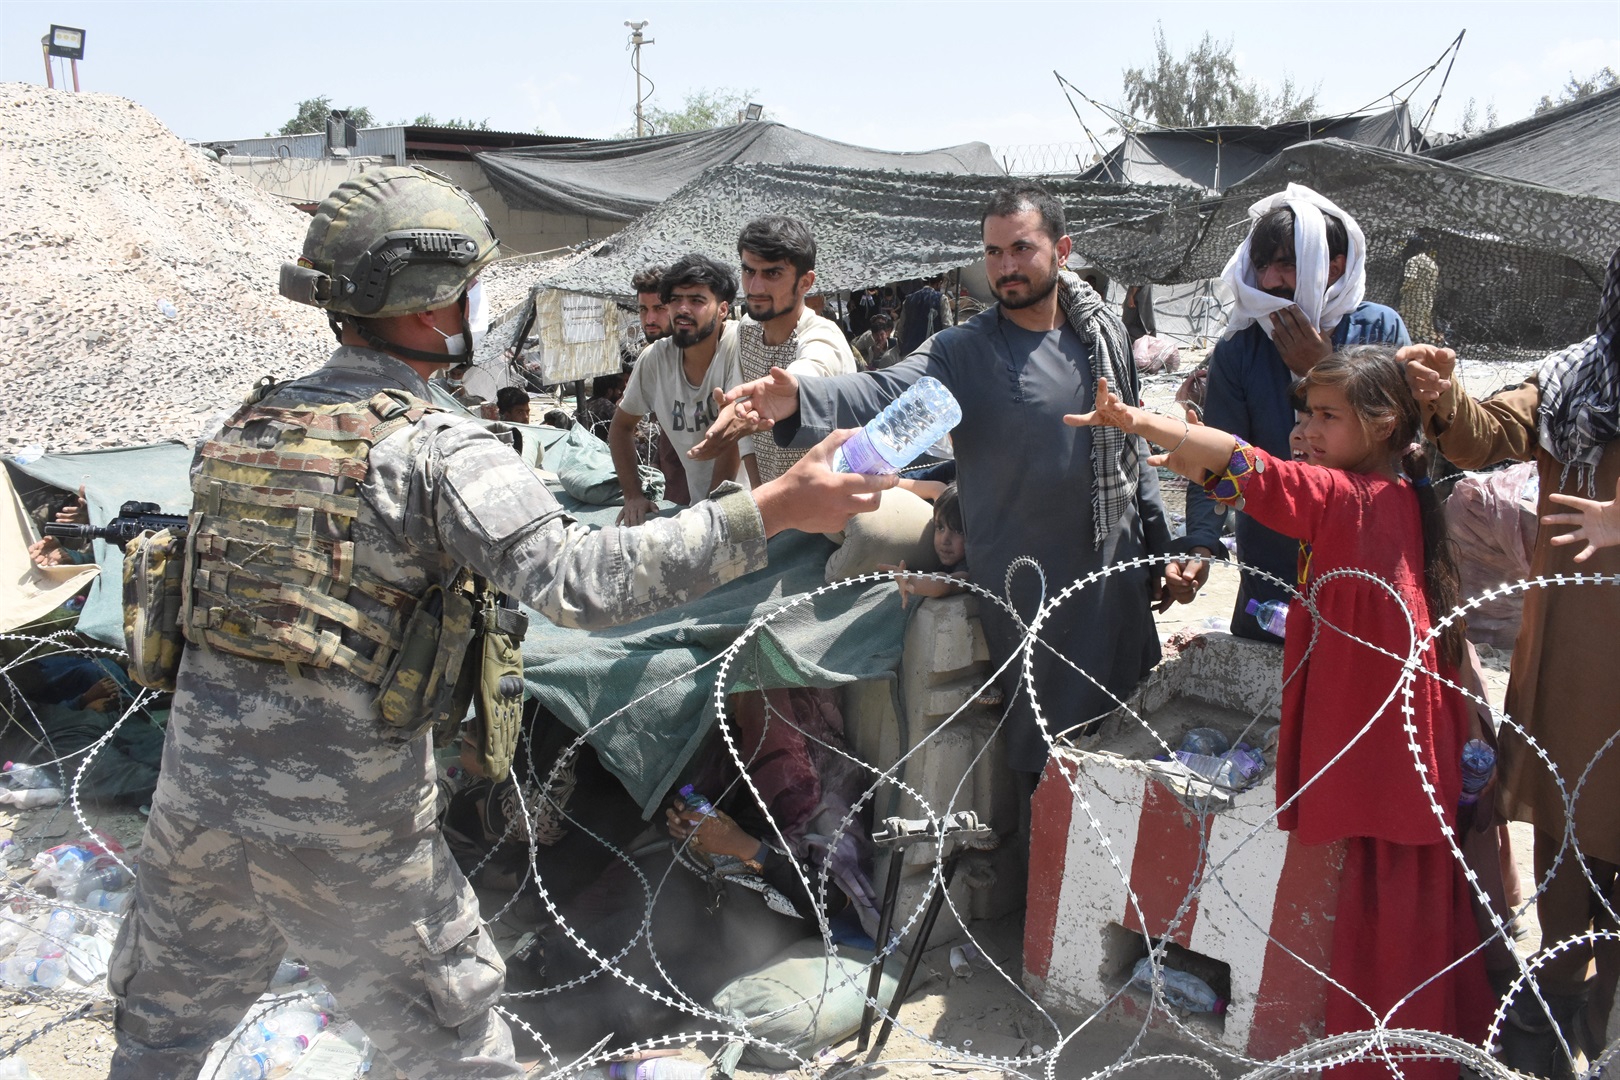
897,76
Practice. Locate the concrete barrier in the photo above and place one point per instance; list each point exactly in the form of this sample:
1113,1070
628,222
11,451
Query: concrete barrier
1122,851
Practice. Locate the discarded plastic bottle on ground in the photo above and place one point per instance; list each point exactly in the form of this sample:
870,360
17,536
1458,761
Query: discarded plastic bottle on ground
1247,762
105,875
289,972
296,1021
19,776
1478,766
21,972
115,901
15,1068
70,864
1205,740
58,929
272,1058
658,1068
1181,989
907,426
167,309
28,798
695,802
1271,615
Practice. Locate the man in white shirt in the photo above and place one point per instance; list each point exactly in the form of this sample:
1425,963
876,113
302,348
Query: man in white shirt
778,271
676,379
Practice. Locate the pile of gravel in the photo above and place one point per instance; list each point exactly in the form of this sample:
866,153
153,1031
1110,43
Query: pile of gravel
107,215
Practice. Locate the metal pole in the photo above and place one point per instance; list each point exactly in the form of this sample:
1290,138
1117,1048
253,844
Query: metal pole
75,65
897,858
924,932
44,47
638,83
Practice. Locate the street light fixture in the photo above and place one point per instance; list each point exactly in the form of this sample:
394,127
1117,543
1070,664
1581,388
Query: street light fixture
754,111
66,42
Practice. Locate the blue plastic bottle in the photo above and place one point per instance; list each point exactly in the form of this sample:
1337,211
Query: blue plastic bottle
695,802
909,425
1271,615
1478,766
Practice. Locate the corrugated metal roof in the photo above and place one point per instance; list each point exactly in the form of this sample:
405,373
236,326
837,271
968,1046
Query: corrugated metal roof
391,142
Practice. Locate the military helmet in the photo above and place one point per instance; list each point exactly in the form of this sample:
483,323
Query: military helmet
390,241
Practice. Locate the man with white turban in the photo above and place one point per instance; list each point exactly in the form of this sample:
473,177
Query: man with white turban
1298,282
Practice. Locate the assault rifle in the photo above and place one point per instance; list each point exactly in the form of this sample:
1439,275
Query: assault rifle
133,519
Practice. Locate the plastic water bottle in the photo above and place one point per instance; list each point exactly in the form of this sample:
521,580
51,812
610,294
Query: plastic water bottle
658,1068
298,1021
1478,766
15,1068
70,864
271,1059
104,875
1182,990
58,929
28,798
19,777
909,425
23,972
695,802
1209,766
167,309
289,972
1271,615
116,902
1205,740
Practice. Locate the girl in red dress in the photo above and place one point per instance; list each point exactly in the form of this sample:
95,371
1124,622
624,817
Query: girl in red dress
1351,765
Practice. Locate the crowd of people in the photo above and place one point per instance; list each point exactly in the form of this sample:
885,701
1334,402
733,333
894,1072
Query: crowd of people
295,808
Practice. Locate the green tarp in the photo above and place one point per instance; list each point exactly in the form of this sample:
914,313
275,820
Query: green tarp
851,634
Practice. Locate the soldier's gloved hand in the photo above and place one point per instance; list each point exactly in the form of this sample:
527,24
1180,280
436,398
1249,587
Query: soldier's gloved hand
812,498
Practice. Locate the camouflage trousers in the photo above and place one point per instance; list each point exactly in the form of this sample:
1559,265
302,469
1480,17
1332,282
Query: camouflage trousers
393,930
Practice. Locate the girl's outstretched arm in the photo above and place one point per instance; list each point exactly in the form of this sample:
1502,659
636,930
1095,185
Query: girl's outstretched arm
1191,450
1599,522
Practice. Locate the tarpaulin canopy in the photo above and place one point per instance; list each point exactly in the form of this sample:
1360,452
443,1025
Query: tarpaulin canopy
1572,148
1521,266
159,473
622,179
871,227
29,592
1220,155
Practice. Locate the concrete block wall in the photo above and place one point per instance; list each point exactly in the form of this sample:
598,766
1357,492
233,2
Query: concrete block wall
954,761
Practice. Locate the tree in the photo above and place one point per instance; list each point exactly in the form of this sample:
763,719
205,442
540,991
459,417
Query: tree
312,113
427,120
702,110
1575,89
1205,87
1470,123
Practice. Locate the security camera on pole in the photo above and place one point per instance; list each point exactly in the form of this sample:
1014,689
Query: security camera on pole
636,42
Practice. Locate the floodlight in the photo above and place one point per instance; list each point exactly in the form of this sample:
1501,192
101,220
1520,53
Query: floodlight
754,112
66,42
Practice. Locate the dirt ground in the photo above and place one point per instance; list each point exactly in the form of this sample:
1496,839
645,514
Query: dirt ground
68,1035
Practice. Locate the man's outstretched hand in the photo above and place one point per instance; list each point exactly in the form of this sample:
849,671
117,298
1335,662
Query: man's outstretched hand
1598,523
811,497
1428,371
747,408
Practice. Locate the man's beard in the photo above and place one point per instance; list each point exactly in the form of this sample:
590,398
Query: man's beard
654,335
685,338
1036,294
1280,293
765,313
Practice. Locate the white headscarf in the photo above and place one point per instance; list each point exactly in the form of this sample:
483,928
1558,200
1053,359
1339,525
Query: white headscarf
1323,304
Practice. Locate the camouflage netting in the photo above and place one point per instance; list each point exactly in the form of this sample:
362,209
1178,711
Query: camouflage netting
1521,266
871,227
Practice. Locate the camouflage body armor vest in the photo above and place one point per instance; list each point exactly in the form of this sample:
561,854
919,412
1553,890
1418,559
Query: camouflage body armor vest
270,563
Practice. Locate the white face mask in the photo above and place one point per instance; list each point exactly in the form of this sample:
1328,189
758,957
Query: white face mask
477,313
477,323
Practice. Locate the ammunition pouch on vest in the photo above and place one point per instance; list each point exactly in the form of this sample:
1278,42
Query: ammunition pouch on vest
270,564
154,568
499,701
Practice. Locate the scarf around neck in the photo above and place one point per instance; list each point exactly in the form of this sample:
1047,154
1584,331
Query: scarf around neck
1115,456
1579,413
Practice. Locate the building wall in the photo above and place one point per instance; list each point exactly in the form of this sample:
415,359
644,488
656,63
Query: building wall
521,232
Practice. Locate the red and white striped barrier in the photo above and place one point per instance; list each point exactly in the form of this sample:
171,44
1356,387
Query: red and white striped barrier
1258,897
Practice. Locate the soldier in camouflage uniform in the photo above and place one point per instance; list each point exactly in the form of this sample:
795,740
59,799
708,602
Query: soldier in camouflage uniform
288,815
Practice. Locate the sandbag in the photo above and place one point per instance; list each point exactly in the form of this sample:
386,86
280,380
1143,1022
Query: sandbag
584,467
